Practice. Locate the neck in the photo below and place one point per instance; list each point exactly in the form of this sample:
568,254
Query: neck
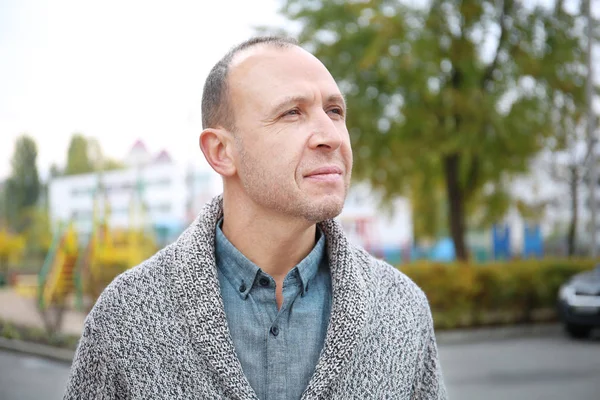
274,242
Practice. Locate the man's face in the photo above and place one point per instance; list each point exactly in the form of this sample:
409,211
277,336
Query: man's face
292,144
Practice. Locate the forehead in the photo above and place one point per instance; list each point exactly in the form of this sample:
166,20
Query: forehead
264,73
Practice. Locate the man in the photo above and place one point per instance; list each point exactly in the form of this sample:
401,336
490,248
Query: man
263,297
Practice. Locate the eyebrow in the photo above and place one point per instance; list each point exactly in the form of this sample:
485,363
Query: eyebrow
290,100
337,98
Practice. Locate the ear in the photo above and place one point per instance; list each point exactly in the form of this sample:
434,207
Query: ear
217,146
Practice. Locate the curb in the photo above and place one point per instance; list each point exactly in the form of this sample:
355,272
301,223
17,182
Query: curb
36,349
464,336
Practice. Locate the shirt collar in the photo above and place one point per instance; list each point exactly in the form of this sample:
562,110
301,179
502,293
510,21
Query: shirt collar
236,268
241,272
308,267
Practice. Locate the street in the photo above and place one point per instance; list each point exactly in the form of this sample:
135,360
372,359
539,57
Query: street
24,377
533,368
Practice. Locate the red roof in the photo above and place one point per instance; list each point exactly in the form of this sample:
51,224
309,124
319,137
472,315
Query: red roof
139,145
163,156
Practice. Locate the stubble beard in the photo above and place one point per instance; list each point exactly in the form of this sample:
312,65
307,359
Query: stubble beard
266,190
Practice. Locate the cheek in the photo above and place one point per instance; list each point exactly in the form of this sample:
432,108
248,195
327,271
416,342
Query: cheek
347,151
286,154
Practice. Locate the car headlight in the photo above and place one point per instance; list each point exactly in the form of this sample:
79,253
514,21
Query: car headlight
566,292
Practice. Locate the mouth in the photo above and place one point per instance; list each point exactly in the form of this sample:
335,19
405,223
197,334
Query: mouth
329,173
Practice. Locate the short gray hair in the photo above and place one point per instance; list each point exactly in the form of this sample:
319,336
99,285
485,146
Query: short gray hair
216,107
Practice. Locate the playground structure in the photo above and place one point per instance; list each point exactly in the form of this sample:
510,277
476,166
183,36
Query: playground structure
77,268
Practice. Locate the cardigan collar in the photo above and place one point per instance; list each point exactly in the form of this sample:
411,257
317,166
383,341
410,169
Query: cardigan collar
197,289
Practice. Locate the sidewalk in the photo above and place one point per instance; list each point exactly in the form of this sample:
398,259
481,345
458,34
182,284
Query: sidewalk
22,310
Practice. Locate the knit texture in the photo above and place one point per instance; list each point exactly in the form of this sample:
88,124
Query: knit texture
159,330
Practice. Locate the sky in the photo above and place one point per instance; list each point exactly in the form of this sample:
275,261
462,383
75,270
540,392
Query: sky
115,70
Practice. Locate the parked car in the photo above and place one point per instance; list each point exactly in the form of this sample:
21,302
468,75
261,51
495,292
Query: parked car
579,303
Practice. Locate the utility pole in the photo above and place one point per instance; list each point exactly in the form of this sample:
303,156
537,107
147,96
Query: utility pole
593,173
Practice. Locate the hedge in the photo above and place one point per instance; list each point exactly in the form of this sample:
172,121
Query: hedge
465,295
9,330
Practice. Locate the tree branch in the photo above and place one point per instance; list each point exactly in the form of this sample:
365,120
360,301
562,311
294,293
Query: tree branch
489,71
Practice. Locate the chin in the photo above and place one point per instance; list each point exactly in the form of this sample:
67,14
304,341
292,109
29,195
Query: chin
323,210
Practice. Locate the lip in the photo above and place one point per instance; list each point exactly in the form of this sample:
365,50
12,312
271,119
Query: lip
323,171
327,174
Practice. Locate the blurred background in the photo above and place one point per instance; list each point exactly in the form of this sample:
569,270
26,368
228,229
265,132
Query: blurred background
474,129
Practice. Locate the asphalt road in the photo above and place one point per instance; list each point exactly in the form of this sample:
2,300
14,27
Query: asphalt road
24,377
533,368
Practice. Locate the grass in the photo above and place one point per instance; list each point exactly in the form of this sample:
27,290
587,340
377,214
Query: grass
9,330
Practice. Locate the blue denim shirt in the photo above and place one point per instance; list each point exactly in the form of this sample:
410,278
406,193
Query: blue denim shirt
278,349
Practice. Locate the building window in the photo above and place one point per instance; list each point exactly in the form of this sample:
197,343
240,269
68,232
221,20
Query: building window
75,192
158,182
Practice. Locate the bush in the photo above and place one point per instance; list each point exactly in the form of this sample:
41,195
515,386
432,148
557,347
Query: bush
37,335
462,295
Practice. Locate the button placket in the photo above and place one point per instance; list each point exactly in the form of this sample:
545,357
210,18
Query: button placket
276,359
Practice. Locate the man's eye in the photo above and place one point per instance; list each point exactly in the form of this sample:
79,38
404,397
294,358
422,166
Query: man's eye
292,112
336,110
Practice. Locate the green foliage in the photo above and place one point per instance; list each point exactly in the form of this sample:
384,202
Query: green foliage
55,171
11,250
84,156
446,103
498,293
78,160
9,330
3,203
38,233
23,187
109,164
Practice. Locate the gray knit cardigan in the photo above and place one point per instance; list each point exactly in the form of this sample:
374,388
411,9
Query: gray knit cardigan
159,331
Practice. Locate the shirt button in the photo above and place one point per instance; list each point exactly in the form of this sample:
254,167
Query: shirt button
274,331
264,282
243,287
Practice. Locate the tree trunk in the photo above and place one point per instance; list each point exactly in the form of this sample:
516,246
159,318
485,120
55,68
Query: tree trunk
456,212
572,235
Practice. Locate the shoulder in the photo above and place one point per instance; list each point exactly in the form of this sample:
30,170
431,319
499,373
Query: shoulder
391,287
137,291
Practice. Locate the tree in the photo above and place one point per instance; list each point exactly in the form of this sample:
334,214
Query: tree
23,185
39,232
85,155
55,171
110,164
99,160
452,98
567,169
11,250
3,203
78,160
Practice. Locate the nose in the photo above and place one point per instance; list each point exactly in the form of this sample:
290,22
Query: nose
325,133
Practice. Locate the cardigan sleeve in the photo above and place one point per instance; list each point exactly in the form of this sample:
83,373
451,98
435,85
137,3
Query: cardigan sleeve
93,372
430,384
